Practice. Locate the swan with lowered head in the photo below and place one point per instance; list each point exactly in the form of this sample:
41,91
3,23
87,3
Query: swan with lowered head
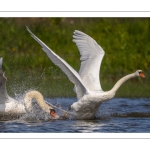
12,107
87,84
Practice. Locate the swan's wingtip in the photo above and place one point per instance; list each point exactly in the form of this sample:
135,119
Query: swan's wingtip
27,27
77,32
28,30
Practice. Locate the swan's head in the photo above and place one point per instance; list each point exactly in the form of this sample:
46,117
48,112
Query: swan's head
140,73
52,112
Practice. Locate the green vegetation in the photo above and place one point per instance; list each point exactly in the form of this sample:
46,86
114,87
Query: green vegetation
126,42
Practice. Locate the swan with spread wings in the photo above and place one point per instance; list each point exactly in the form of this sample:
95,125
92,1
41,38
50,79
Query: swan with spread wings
87,83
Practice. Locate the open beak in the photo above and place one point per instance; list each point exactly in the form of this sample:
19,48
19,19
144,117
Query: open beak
142,75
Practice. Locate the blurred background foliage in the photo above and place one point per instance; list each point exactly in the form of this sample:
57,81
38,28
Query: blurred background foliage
126,42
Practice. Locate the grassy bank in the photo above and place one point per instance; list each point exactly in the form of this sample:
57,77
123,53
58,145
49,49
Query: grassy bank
126,42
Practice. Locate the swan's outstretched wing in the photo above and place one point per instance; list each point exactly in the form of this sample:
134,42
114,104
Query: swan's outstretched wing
3,92
65,67
91,58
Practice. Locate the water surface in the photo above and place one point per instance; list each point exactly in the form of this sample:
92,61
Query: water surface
119,115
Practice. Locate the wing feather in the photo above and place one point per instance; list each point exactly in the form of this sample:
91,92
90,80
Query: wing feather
91,58
64,66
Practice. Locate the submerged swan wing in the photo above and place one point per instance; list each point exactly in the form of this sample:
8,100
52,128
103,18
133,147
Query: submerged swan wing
65,67
3,92
91,58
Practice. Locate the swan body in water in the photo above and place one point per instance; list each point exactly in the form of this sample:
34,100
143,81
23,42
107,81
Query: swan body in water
10,106
87,84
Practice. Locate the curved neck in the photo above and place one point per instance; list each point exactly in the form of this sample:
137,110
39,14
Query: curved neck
121,81
39,98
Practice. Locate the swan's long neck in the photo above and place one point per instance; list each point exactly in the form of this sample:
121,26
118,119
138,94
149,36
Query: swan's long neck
38,97
121,81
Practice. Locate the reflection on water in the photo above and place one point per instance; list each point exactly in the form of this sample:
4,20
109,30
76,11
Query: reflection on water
87,126
118,115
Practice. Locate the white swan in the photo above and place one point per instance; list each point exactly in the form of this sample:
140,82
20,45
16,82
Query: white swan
87,84
10,106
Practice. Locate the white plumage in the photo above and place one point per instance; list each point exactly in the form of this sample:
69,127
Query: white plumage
10,106
87,84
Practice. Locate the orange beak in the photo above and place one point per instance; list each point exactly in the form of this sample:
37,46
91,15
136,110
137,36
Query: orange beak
142,75
53,114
